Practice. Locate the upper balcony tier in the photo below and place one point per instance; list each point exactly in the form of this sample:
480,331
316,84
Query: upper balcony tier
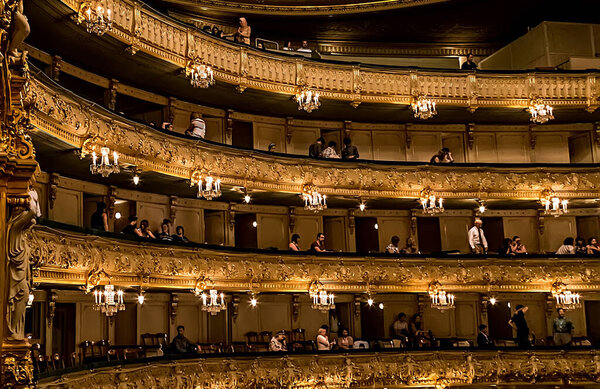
80,124
165,48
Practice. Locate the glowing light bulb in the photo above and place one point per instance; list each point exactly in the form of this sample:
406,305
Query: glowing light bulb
493,300
117,215
380,305
247,199
482,208
362,207
253,301
370,301
136,179
376,226
141,299
254,224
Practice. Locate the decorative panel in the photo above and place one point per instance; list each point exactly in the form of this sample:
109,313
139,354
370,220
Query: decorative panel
265,134
68,207
512,147
423,146
484,148
454,233
556,229
524,227
301,139
308,227
390,226
388,146
192,221
551,148
272,231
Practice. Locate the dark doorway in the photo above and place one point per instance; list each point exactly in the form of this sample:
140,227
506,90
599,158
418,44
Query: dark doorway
126,326
429,235
493,228
580,148
592,313
498,317
245,231
343,312
242,134
371,322
367,235
63,329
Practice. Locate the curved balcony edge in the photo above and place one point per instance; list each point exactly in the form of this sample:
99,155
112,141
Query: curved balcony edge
143,29
61,256
358,370
84,125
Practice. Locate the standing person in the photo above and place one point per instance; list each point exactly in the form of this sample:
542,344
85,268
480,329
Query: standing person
197,127
350,151
278,342
483,339
323,339
562,329
469,64
294,245
100,217
242,35
519,323
318,246
316,149
477,241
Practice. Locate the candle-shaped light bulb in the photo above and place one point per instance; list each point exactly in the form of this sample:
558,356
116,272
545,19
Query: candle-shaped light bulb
115,158
94,158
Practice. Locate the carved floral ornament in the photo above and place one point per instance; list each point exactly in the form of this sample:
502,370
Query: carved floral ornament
68,258
71,120
360,370
177,43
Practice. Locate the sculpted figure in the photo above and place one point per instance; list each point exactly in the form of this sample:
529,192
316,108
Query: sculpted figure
19,30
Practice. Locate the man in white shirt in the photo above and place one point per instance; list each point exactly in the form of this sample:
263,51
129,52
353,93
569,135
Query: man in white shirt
322,339
477,241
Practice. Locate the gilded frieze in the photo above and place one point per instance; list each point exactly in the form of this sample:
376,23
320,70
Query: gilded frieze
358,370
61,257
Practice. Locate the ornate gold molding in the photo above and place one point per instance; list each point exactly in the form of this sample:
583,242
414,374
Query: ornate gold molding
78,123
330,7
356,370
69,258
143,29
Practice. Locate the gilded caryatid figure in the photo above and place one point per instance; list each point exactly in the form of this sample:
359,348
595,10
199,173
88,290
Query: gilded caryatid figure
19,270
18,29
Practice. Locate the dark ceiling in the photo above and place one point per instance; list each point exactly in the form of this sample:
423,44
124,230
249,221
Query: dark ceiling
477,22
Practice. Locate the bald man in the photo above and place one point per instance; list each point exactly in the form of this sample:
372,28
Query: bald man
477,241
242,35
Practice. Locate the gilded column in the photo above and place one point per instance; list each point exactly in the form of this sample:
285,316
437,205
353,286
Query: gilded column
17,209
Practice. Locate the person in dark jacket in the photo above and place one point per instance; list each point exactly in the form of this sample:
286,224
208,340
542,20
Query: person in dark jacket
483,339
350,151
316,149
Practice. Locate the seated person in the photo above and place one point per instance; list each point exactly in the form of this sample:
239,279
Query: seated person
483,339
165,233
580,246
272,148
517,247
567,247
506,248
350,151
316,149
294,246
329,151
131,228
304,48
443,156
197,127
288,46
393,248
345,341
318,246
144,230
278,342
411,247
181,344
180,235
400,328
420,337
593,248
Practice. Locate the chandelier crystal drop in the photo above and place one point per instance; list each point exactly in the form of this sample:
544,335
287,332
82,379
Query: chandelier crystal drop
431,204
307,100
200,75
540,112
313,200
423,108
102,165
553,205
208,187
565,299
108,301
96,15
439,298
321,300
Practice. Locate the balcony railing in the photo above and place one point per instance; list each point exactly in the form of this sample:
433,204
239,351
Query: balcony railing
144,29
81,123
392,369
